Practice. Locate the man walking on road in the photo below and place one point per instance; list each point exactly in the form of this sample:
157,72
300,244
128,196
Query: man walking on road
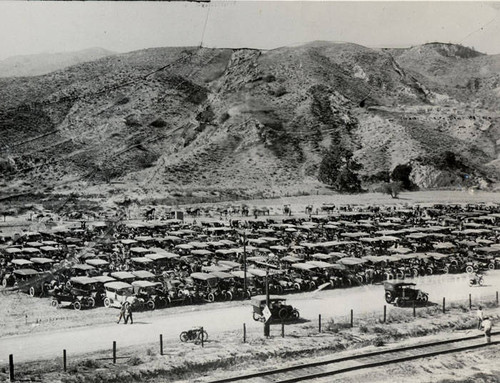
122,314
480,317
128,313
487,325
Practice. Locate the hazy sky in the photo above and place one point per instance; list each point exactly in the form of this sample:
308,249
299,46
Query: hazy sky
35,27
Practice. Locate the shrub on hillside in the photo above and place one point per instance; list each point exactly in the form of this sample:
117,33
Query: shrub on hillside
391,188
339,170
132,121
158,123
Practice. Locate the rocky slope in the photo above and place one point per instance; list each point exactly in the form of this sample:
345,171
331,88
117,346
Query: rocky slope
210,120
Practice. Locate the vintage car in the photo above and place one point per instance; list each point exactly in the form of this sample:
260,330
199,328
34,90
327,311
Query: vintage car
400,293
42,263
100,264
123,276
207,286
78,293
280,311
99,293
178,293
117,293
30,281
149,294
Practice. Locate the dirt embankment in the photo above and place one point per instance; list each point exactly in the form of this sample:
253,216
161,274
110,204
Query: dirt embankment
226,355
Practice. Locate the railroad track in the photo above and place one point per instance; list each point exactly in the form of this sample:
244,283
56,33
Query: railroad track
339,365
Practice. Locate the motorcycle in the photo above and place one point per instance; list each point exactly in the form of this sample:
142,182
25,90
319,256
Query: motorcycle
476,280
195,334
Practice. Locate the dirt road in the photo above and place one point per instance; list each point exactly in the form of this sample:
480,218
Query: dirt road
220,317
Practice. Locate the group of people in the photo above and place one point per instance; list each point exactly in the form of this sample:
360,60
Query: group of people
125,313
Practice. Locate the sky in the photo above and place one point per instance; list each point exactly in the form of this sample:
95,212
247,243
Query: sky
48,27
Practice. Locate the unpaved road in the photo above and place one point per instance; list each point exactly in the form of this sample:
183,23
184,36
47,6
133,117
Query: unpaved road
220,317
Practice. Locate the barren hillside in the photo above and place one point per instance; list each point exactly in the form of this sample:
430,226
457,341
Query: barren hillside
222,120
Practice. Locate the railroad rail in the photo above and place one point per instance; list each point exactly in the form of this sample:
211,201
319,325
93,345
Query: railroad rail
339,365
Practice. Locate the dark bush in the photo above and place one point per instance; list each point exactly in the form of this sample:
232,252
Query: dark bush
132,120
224,117
391,188
158,123
269,78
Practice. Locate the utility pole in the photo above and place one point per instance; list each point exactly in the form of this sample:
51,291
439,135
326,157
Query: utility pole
266,323
244,261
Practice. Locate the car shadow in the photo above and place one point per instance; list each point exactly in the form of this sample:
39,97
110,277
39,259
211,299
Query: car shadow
287,322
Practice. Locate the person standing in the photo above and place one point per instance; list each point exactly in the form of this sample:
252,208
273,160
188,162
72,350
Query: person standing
480,317
487,325
122,314
128,313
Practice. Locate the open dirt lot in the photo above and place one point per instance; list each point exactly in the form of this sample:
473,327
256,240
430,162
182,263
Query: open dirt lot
225,354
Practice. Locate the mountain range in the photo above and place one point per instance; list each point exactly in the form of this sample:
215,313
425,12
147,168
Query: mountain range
243,121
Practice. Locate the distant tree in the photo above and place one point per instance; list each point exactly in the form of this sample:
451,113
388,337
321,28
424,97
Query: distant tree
339,169
392,188
126,204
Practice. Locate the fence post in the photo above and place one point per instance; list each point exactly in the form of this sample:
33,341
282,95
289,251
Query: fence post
385,313
114,351
244,333
11,367
202,337
161,344
470,301
414,310
282,329
319,323
444,305
497,297
64,360
352,318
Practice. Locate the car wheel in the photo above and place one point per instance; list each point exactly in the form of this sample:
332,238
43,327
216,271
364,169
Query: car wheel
430,270
77,305
296,286
415,273
312,285
248,294
491,266
91,302
184,336
388,296
4,282
469,269
211,297
229,295
256,317
150,305
283,313
446,270
107,303
480,282
295,314
32,291
425,298
397,302
279,289
54,303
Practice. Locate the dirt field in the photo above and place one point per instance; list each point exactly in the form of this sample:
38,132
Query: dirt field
225,354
